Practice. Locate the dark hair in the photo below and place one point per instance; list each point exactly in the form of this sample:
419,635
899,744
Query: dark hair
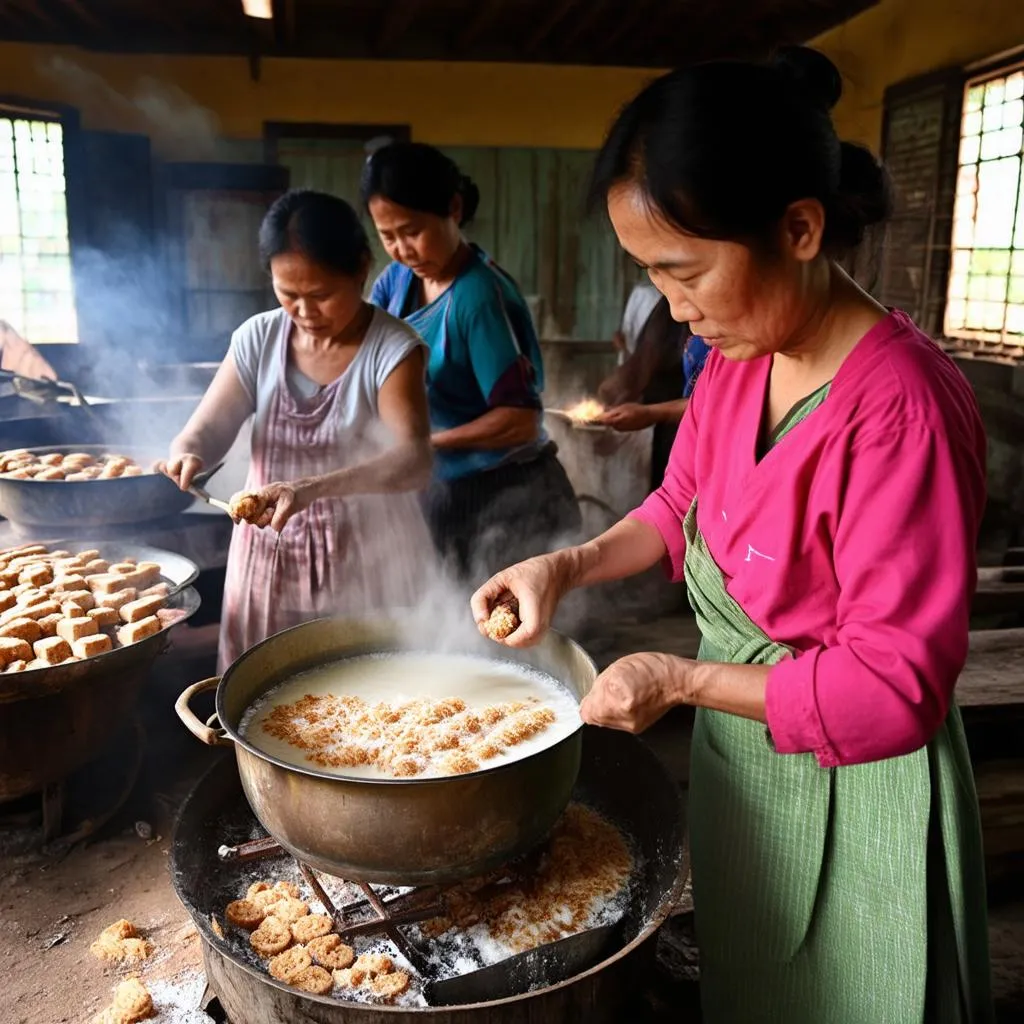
721,150
419,177
318,225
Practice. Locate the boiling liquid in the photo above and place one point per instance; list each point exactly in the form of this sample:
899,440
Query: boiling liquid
396,679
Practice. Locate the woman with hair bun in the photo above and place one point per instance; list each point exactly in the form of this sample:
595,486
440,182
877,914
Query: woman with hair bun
498,486
340,433
822,504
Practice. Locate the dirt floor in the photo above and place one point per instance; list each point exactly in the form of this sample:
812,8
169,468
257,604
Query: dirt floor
53,905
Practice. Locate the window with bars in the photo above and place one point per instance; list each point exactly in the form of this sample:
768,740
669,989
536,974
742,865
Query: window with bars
985,300
36,293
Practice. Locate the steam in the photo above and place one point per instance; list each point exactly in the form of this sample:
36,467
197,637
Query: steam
162,110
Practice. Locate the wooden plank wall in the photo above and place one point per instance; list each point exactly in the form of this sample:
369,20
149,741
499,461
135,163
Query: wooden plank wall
531,220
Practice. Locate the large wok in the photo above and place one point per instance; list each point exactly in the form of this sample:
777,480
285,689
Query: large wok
56,506
54,720
408,831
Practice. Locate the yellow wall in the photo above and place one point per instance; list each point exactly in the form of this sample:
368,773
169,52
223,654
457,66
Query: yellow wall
900,39
447,104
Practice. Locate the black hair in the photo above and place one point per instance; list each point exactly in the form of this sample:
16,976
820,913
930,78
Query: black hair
320,226
721,149
419,177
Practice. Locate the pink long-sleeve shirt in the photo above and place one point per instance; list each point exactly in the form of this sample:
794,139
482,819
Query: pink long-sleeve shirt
852,541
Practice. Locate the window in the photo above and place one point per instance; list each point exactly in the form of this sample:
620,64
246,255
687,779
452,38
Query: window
36,294
985,299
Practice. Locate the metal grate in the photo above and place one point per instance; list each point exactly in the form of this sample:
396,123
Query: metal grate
36,293
985,297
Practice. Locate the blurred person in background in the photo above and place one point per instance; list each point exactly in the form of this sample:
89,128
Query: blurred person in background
498,485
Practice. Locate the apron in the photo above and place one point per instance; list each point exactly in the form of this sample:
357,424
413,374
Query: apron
349,556
850,895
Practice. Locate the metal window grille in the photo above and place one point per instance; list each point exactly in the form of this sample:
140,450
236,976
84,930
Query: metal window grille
36,291
985,294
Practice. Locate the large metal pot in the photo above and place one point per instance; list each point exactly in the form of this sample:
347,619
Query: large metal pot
408,831
56,506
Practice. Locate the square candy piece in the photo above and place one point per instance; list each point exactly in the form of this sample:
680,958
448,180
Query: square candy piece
12,649
136,631
108,583
104,617
117,599
74,629
53,650
90,646
141,609
22,629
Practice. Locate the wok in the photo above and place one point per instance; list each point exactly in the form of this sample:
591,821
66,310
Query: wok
406,831
54,720
61,505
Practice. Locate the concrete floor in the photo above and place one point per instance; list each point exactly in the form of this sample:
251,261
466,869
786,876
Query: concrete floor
52,906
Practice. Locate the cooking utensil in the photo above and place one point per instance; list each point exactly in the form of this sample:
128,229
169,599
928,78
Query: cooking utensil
200,492
576,424
619,777
409,831
58,506
54,720
539,967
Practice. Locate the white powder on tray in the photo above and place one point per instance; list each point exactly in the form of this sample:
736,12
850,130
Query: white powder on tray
586,851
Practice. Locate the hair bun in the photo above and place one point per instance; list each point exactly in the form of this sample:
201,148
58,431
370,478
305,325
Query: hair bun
470,198
812,73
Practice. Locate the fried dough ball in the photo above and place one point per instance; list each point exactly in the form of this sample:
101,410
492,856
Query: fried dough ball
247,914
312,926
285,966
132,1003
389,986
271,937
314,980
247,506
504,619
330,952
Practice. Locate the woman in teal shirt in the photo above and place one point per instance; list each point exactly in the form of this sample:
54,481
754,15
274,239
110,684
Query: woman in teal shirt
498,485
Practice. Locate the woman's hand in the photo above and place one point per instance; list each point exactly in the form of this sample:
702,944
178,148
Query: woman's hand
182,469
634,692
538,584
629,416
282,501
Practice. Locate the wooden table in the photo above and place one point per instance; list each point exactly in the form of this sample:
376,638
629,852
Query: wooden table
994,673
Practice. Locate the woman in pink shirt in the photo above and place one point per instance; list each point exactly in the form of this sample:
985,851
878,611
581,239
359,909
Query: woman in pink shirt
822,504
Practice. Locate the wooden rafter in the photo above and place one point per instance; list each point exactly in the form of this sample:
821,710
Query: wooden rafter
395,23
555,15
486,12
580,25
625,26
34,10
82,13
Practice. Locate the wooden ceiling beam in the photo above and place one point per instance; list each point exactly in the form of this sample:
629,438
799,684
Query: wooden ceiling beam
486,12
395,24
626,25
558,12
34,10
83,14
580,25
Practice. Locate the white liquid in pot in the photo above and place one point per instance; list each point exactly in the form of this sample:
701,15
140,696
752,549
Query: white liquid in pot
397,680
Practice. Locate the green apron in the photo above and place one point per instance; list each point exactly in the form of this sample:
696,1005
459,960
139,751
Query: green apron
850,895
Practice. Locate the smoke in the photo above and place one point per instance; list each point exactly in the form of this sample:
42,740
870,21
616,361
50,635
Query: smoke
161,110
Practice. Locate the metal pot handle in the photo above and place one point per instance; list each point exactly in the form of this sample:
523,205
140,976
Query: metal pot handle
210,736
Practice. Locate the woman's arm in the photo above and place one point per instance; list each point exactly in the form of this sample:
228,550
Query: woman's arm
213,427
633,416
502,427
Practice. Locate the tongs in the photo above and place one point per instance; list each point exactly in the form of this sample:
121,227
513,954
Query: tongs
42,390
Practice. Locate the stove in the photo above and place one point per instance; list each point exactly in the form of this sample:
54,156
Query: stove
584,979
